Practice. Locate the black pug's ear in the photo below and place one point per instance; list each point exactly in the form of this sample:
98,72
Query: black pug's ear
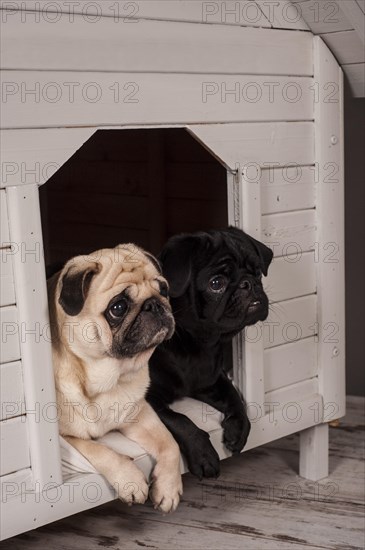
176,257
265,254
74,290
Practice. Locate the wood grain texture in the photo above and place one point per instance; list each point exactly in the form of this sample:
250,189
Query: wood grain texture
12,390
4,221
290,233
250,220
258,502
291,276
152,46
14,445
7,293
290,363
361,4
35,345
259,145
324,17
10,334
287,188
287,400
355,15
115,99
313,461
287,322
330,233
346,46
355,74
33,156
283,15
245,12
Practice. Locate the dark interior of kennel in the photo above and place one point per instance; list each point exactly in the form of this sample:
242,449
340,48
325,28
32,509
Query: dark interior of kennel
138,186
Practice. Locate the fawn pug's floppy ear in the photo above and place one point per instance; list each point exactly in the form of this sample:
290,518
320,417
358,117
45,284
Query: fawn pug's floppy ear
75,286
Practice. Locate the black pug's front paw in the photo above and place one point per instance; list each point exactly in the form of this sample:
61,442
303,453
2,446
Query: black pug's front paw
235,432
201,456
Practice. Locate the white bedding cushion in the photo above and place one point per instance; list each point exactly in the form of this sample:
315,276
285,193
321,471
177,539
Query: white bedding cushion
204,416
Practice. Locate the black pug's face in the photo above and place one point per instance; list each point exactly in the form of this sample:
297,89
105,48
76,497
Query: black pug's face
215,280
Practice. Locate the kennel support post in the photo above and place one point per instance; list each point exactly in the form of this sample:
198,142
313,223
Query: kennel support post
330,272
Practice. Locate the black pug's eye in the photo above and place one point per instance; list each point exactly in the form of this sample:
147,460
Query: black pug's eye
118,309
218,283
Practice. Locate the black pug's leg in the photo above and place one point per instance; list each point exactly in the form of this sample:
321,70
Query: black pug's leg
194,443
224,397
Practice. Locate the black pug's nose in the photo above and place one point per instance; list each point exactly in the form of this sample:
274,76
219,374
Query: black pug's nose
153,305
246,285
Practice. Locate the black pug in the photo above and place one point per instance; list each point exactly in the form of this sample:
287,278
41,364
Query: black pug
215,291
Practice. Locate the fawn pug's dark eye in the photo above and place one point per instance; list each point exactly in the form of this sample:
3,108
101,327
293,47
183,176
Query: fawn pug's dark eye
118,309
164,291
218,284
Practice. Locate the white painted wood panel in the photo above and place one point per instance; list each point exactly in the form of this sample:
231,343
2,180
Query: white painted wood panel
13,484
361,4
234,190
33,156
36,353
7,292
243,13
4,223
251,146
290,233
14,448
330,215
287,322
287,188
313,454
153,46
347,46
221,12
290,397
11,390
355,73
10,347
283,14
131,98
355,15
291,276
290,363
323,17
250,220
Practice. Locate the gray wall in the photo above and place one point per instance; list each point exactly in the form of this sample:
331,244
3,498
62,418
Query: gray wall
355,243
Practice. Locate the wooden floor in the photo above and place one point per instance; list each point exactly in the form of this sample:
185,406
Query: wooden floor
259,502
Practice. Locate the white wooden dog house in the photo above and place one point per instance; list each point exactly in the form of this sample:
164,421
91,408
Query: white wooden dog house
266,103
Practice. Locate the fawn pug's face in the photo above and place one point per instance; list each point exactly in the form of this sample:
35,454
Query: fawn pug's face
113,303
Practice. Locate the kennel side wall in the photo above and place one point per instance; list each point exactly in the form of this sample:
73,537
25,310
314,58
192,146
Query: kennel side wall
39,136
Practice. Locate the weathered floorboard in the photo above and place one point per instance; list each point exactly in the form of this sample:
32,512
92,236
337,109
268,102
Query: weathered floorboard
259,501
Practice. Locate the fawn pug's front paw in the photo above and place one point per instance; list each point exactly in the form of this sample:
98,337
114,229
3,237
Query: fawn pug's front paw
130,484
166,488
